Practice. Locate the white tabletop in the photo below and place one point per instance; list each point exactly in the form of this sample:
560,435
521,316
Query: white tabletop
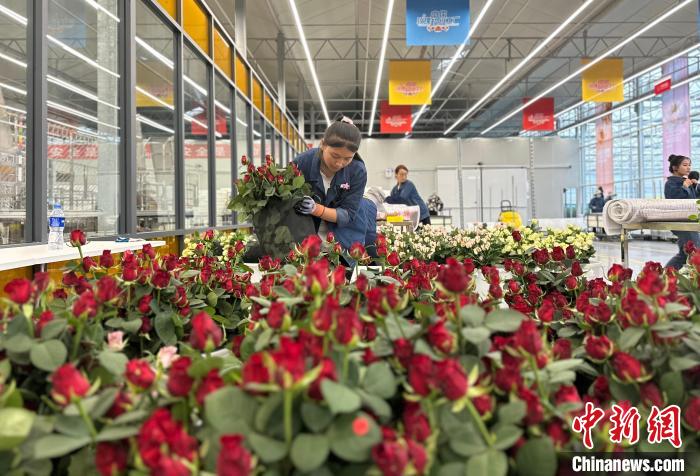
21,256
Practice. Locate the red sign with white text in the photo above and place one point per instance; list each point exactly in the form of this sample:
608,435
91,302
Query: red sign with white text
394,119
662,85
539,116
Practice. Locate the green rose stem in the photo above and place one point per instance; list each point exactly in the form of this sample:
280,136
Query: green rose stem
458,327
86,419
488,438
288,401
346,361
432,441
540,389
77,338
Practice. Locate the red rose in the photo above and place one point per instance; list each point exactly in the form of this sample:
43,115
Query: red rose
139,373
557,433
562,349
289,359
571,252
650,283
418,456
161,437
255,371
244,160
567,394
88,264
517,236
598,348
234,459
339,276
106,259
129,273
390,457
403,350
44,318
41,280
179,381
311,246
68,383
19,290
495,291
483,404
528,338
77,238
206,335
518,268
601,388
416,422
107,289
358,252
541,257
145,304
535,412
347,327
451,378
571,283
651,395
576,269
393,259
441,338
691,413
626,367
210,383
508,378
327,372
420,374
322,318
111,458
546,311
160,279
275,314
513,286
558,253
453,276
361,283
85,305
618,273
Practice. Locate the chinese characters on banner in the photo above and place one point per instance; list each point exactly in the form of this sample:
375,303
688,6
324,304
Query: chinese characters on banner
603,82
394,119
662,425
437,22
409,83
539,116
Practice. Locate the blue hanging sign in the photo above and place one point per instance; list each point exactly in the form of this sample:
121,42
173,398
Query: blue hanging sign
437,22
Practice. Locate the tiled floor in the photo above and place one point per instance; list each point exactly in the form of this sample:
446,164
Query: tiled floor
641,251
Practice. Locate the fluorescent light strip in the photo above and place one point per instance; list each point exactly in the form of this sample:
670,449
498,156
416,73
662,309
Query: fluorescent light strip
71,126
453,60
521,64
14,15
382,55
80,114
627,104
13,109
201,124
155,98
97,6
222,107
591,63
13,89
78,54
191,82
155,53
244,124
19,63
636,75
77,90
309,60
151,123
256,133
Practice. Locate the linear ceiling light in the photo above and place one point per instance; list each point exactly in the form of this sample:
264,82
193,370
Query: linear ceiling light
155,53
636,75
522,64
151,123
590,63
75,112
19,63
454,59
78,54
382,55
309,59
13,89
97,6
14,15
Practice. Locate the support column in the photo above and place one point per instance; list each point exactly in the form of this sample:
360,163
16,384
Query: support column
281,83
300,108
312,132
240,27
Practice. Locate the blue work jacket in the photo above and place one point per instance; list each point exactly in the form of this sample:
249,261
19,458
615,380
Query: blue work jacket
407,194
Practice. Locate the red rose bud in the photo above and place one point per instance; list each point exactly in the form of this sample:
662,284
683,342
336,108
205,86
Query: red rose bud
557,433
144,305
651,395
535,412
416,422
210,383
453,276
618,273
357,252
77,238
111,458
420,374
179,381
598,348
275,314
601,389
391,458
44,318
570,252
19,290
508,378
393,259
106,259
528,338
85,305
234,459
691,413
567,394
67,383
562,349
451,378
517,236
403,350
206,335
164,444
255,371
650,283
627,368
339,276
441,338
311,246
139,373
541,257
244,160
518,268
483,404
246,178
129,273
513,286
469,265
361,283
418,455
88,264
576,269
160,279
558,254
571,283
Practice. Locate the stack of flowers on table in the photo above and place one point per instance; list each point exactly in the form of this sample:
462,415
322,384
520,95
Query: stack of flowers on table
180,365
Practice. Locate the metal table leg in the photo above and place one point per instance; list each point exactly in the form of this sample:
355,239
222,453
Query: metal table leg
624,247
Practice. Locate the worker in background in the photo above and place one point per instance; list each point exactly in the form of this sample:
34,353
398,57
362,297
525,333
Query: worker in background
597,202
404,192
694,177
679,186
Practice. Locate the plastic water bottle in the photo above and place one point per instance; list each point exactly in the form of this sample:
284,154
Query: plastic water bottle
57,221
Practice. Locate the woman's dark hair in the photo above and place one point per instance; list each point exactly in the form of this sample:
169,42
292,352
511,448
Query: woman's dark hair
694,175
674,161
343,133
399,168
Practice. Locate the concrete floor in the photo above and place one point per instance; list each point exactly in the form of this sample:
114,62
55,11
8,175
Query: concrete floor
641,251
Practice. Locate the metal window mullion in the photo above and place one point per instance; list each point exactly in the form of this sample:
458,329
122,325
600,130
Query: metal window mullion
211,145
127,118
179,133
249,131
233,126
36,169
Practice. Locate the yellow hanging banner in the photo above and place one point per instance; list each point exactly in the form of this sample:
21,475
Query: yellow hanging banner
409,83
603,82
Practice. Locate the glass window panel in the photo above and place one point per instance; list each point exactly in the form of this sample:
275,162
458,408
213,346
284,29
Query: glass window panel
241,126
285,128
13,120
268,139
268,108
257,94
196,140
224,179
278,118
279,157
257,138
196,23
242,76
169,6
222,53
83,112
155,122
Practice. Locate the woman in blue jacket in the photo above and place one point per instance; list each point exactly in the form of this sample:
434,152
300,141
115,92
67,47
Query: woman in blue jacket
338,177
404,192
679,186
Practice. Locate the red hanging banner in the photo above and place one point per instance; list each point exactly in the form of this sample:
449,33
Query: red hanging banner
539,116
394,119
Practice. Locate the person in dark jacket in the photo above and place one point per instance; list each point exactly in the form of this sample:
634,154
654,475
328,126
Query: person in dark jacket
694,177
337,175
597,202
679,186
404,192
362,230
